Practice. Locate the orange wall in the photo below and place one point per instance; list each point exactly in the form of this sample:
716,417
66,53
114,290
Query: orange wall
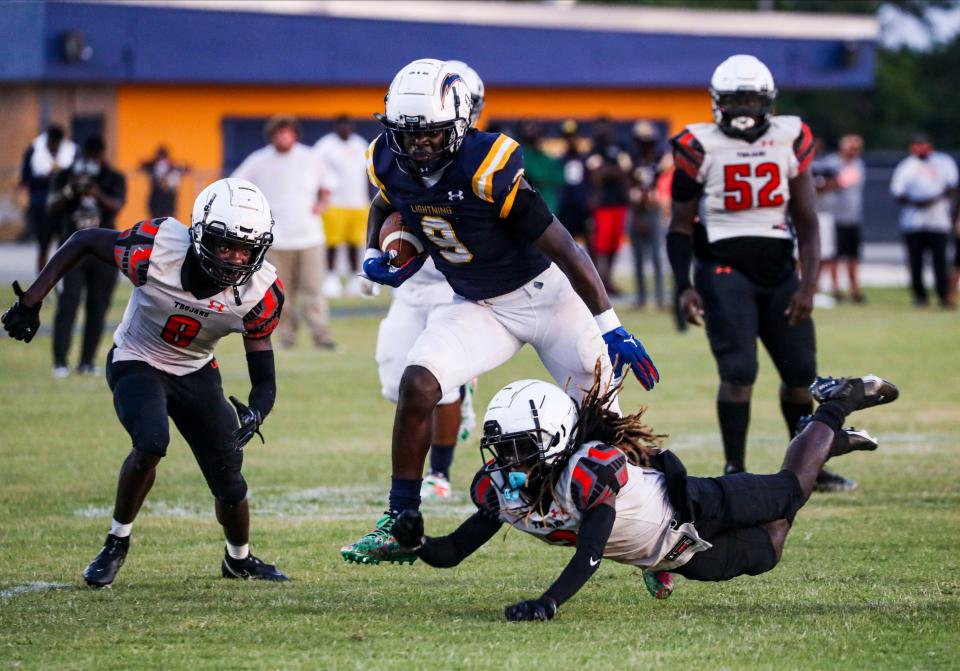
187,119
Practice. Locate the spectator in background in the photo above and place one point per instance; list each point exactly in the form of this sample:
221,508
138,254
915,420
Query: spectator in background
825,182
609,169
48,154
297,185
925,185
88,194
544,172
165,178
847,203
345,221
573,208
645,222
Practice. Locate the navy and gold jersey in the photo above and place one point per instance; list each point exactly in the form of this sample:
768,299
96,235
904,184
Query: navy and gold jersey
462,219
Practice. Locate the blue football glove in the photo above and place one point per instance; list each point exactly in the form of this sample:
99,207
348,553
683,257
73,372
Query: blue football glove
379,269
625,349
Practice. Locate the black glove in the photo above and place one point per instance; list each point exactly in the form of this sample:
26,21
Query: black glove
20,321
250,421
408,529
541,609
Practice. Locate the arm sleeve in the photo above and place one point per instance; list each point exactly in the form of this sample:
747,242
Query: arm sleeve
132,250
263,381
448,551
680,254
803,149
898,181
530,216
595,528
262,320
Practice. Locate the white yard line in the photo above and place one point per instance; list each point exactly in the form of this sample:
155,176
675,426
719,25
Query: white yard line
37,586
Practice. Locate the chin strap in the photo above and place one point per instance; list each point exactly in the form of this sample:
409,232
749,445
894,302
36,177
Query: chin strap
236,296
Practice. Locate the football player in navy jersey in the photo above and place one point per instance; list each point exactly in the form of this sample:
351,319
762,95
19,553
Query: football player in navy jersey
192,286
517,274
578,474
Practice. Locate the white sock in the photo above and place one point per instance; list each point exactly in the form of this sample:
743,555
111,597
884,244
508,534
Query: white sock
238,551
119,529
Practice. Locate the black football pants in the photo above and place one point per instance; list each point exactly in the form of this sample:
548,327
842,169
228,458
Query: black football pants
728,512
144,397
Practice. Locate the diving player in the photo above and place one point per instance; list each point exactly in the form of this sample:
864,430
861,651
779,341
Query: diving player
192,286
580,475
410,310
517,274
750,169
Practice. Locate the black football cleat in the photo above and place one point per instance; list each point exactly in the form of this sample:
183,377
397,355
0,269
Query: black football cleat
828,481
862,392
103,569
846,440
250,568
851,439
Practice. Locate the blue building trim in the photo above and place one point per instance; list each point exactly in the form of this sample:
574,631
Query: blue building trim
171,45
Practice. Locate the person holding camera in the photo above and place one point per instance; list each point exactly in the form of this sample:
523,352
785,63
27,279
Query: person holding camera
89,194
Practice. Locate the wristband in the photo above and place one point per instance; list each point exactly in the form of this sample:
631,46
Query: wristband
607,321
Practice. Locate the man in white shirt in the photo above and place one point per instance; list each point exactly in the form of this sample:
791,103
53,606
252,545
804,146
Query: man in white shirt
925,185
297,185
345,221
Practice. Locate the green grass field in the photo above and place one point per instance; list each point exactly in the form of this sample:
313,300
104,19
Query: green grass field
869,580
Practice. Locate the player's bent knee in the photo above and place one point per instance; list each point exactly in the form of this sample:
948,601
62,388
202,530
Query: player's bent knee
738,371
229,488
419,386
142,461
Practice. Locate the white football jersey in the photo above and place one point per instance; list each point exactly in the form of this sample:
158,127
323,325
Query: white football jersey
745,184
168,327
644,533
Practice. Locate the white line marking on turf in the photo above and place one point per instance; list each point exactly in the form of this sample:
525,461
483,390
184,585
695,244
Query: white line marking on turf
38,586
318,503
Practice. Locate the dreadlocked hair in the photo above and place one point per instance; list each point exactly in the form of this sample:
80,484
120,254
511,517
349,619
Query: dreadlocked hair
596,421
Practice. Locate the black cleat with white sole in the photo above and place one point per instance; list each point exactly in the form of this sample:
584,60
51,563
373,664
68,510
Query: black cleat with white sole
857,392
250,568
103,569
846,440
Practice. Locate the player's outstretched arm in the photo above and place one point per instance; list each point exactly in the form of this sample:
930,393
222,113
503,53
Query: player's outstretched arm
804,216
23,318
445,551
592,538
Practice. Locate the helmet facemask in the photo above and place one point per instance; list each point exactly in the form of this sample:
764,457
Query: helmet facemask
743,114
517,453
206,236
402,136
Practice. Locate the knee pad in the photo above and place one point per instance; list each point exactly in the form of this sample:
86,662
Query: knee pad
143,461
151,441
229,487
738,368
761,556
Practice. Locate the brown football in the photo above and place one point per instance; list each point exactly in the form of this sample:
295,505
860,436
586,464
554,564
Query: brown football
395,236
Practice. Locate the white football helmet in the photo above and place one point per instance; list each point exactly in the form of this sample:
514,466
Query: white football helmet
743,92
527,422
235,212
474,85
425,97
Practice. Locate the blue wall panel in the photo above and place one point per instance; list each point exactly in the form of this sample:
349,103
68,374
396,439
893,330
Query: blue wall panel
145,44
